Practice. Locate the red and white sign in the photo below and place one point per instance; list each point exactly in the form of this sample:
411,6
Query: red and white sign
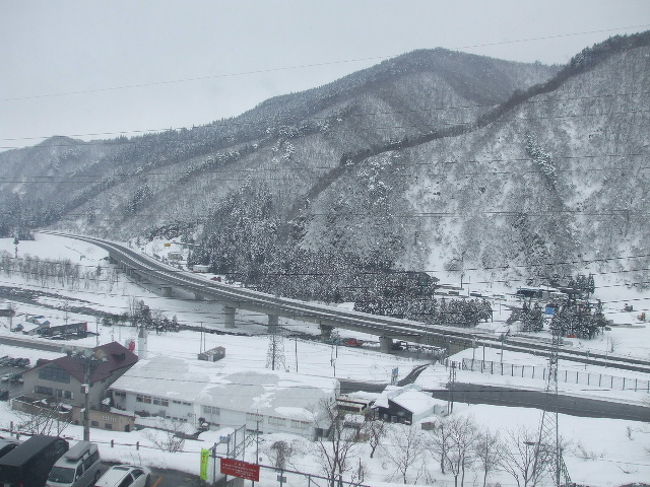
243,470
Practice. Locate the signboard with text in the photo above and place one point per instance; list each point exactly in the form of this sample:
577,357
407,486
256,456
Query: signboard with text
243,470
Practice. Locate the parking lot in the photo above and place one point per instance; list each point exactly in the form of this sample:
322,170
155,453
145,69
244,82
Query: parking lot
168,478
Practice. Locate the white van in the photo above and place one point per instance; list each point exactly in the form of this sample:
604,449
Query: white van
78,467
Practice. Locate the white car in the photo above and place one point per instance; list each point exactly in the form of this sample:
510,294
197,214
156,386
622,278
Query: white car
125,476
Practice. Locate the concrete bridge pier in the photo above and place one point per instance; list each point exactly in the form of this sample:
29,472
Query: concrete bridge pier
229,316
385,344
273,323
166,291
325,332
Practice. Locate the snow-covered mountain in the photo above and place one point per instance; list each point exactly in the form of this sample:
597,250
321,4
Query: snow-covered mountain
434,159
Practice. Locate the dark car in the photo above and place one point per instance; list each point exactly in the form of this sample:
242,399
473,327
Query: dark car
6,445
28,464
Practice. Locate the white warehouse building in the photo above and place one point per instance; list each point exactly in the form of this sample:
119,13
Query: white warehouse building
191,390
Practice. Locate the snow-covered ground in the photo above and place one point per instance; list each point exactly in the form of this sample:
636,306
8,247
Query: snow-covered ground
622,458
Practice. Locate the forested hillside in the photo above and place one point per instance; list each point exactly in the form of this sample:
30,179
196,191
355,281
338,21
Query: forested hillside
434,160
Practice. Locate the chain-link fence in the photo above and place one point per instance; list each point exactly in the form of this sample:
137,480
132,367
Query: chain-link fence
567,376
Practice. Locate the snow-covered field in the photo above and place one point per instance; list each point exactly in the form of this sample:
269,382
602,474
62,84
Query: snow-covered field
600,452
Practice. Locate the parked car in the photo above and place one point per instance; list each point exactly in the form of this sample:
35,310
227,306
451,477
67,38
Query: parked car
78,467
16,378
23,362
30,462
5,378
125,476
6,445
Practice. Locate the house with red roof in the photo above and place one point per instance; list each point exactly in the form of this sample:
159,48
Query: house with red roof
62,378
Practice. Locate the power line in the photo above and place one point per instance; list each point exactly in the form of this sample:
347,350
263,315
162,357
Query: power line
356,113
304,66
318,274
161,177
360,271
414,125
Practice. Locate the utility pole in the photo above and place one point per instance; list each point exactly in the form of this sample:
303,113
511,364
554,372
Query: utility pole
295,342
452,380
86,390
89,360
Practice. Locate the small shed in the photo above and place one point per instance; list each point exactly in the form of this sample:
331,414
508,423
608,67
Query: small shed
407,407
201,268
213,354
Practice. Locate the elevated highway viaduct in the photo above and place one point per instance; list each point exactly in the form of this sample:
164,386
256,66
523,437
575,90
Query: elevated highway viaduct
170,281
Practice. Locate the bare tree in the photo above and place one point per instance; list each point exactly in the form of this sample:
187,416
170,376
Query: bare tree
519,457
374,430
462,431
282,451
51,419
405,448
335,447
170,436
439,442
487,450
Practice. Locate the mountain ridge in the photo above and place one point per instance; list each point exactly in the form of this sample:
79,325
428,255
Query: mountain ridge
385,169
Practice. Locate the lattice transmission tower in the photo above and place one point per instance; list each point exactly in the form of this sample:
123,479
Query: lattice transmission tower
275,352
548,449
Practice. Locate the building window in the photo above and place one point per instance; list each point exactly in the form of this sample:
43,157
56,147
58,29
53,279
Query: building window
160,402
94,423
44,390
108,426
119,394
143,399
55,374
276,421
211,410
67,394
253,417
297,424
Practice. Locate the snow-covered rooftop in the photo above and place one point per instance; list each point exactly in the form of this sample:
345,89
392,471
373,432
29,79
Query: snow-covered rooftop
268,392
415,401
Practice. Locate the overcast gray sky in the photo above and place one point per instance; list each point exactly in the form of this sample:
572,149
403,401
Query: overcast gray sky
69,67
